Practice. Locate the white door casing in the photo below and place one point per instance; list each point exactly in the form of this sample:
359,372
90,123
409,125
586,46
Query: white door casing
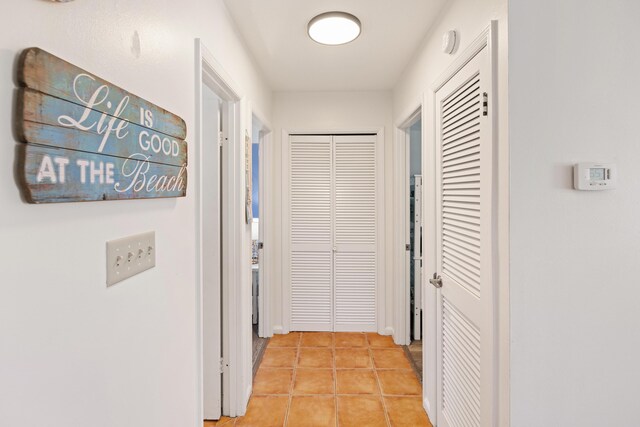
333,222
465,252
236,327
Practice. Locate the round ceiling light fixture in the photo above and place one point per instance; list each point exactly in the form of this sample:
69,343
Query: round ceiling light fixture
334,28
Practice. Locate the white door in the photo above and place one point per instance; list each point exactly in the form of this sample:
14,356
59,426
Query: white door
465,253
311,189
211,254
333,232
355,233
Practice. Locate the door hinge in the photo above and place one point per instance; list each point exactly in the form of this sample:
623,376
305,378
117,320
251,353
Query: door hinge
485,104
222,365
220,139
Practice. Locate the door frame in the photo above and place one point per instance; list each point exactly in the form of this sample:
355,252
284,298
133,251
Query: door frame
381,285
487,38
402,321
210,73
265,327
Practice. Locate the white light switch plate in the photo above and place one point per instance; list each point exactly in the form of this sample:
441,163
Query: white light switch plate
129,256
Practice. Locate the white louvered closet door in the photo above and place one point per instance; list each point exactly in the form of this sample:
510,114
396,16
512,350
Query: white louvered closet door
355,233
333,233
311,207
464,189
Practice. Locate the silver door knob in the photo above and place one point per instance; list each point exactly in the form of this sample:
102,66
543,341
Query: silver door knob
436,281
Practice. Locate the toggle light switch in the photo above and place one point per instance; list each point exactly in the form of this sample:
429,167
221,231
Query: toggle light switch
129,256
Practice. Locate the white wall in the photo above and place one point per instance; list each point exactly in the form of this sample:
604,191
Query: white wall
74,352
573,96
329,111
468,18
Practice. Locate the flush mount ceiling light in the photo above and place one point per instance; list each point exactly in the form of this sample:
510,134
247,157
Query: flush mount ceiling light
334,28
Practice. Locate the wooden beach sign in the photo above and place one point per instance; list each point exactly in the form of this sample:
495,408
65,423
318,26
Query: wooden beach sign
87,139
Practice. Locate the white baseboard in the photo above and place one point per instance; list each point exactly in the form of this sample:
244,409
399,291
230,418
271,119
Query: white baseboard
387,331
247,396
278,329
427,407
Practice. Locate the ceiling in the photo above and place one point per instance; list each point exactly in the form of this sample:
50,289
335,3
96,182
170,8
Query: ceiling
275,32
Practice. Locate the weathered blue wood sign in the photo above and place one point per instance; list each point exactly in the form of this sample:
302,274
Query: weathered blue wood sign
87,139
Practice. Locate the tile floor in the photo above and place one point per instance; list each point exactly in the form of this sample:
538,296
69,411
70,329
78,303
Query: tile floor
415,352
324,379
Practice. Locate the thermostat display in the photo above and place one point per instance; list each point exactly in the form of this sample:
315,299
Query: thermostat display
594,176
597,174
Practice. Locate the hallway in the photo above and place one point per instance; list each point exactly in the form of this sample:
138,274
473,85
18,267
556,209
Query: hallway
333,379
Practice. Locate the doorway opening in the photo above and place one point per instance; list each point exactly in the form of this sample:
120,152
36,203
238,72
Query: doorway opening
212,249
259,288
221,385
414,221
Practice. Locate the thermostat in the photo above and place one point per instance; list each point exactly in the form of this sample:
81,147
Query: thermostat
594,176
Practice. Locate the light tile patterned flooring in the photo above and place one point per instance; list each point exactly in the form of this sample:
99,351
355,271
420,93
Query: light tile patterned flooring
333,379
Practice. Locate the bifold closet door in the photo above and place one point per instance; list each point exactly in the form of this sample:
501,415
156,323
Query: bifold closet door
355,233
311,211
333,232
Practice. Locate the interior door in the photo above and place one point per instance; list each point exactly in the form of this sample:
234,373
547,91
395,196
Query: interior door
211,254
465,253
311,188
355,233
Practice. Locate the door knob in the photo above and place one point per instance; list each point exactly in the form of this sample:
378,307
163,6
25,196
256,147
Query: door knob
436,281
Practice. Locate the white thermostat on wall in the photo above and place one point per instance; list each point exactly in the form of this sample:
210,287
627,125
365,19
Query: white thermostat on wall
595,176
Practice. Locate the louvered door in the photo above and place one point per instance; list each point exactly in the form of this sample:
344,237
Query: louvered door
333,233
464,156
311,211
355,232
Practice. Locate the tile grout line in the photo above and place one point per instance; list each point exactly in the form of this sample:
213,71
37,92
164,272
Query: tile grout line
375,372
335,378
370,349
293,380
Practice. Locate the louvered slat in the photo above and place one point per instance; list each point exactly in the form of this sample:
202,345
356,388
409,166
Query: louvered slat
461,184
355,192
311,233
355,233
461,367
310,192
355,288
311,288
